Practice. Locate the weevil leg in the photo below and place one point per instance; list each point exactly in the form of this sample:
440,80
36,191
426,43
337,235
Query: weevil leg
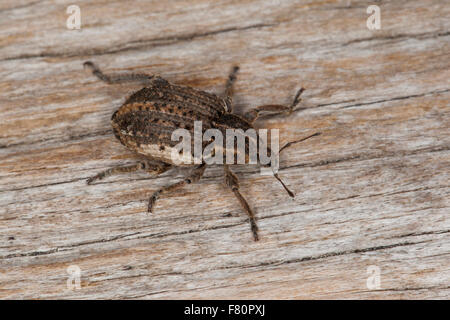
149,166
232,181
274,110
229,90
117,78
194,176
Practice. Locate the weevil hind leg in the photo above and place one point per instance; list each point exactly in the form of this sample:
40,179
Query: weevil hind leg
194,176
273,109
232,181
229,88
152,167
117,78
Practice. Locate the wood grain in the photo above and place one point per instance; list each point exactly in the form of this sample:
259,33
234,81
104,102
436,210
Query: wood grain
372,190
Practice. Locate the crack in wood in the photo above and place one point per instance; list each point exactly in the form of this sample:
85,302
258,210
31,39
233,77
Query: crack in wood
430,93
139,44
20,6
396,98
71,138
411,289
325,255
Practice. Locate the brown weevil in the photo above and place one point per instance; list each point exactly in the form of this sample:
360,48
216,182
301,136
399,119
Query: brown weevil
145,121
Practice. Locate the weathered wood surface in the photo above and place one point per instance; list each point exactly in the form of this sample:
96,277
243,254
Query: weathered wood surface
372,190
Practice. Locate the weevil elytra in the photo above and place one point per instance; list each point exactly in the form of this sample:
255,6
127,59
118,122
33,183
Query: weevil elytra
145,121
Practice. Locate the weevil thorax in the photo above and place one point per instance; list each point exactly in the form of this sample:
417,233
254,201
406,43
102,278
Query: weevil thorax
145,122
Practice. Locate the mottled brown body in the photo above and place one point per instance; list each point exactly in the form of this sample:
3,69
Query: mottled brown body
145,122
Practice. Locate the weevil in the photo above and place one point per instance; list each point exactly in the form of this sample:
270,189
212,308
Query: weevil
145,121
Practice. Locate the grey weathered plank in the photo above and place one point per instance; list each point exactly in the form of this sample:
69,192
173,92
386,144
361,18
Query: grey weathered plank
371,190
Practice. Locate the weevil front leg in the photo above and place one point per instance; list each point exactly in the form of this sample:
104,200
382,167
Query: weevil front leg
194,176
276,109
148,166
232,181
229,88
117,78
